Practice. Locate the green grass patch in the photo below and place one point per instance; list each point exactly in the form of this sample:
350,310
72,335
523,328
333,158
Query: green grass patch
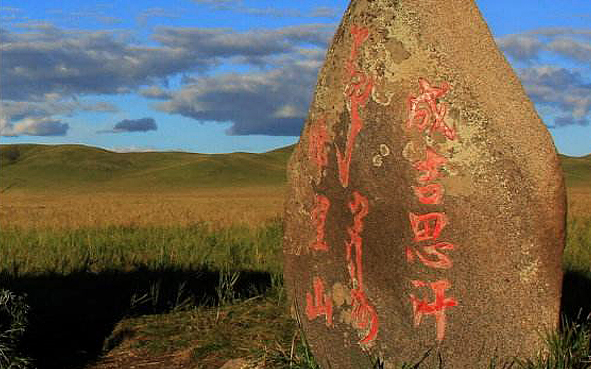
577,170
84,168
148,277
125,248
577,254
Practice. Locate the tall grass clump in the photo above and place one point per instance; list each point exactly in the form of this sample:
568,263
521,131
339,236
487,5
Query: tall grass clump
567,349
576,299
13,322
577,254
36,251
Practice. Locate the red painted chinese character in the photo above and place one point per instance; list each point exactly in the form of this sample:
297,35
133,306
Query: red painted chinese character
320,303
319,219
363,315
429,194
423,110
442,260
427,226
430,166
422,307
359,208
360,34
357,92
410,256
318,139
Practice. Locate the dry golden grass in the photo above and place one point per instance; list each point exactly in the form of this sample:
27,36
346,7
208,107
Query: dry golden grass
223,207
579,202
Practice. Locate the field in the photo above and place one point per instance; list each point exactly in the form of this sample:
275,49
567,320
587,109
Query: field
173,260
220,206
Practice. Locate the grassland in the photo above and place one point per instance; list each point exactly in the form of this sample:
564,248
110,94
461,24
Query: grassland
72,186
86,169
71,209
170,260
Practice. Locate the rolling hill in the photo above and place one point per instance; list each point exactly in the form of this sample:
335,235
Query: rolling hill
36,167
69,167
577,170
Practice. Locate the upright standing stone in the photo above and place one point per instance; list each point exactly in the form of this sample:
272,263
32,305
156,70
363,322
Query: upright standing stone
426,206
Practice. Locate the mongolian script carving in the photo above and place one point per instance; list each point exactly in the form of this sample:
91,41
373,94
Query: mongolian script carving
363,315
424,110
320,303
321,206
423,307
357,92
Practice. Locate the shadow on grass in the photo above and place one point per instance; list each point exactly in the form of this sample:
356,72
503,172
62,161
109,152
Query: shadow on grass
576,299
71,316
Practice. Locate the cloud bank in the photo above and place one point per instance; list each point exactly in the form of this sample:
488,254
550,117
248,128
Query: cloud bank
37,118
34,127
47,72
46,65
273,102
565,91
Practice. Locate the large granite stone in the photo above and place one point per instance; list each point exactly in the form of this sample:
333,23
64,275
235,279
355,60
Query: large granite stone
426,208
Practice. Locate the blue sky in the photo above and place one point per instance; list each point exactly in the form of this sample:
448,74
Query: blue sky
218,76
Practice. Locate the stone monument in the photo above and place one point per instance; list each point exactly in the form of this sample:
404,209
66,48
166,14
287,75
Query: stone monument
426,206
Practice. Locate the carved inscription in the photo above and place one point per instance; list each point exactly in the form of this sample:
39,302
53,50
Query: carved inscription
437,308
357,91
319,219
425,111
363,315
320,303
316,147
429,167
442,261
430,194
427,226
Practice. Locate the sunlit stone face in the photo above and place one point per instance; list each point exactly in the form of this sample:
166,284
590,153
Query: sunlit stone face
426,205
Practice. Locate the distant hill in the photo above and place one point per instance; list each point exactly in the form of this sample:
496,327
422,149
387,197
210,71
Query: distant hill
78,167
73,167
577,170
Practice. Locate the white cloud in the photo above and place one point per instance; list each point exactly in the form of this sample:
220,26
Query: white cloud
573,49
34,127
271,102
564,90
574,44
287,111
521,47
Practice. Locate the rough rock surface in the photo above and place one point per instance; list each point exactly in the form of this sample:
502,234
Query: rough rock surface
426,209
